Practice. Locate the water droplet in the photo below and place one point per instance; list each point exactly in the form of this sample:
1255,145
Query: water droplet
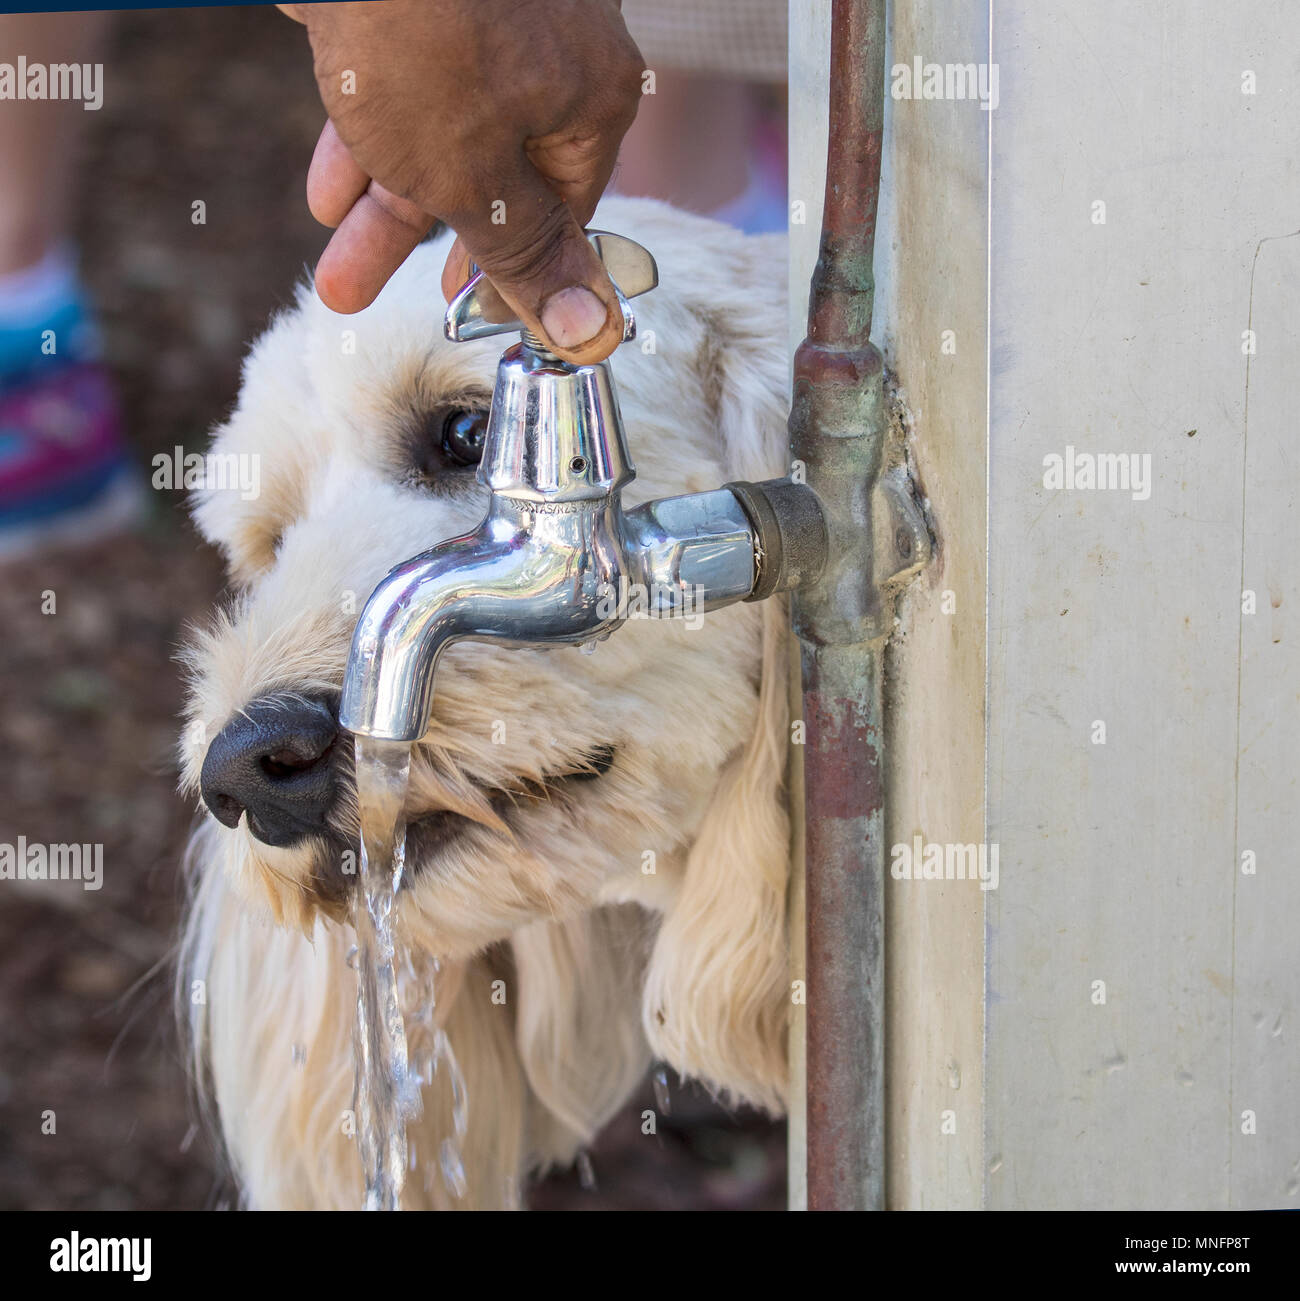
663,1099
1116,1063
586,1171
298,1055
351,959
1277,1027
954,1074
588,647
453,1171
1185,1079
995,1165
444,1058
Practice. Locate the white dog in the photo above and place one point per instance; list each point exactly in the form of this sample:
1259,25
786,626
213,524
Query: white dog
598,849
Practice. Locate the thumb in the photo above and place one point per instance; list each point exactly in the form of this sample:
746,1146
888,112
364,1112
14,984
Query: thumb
533,249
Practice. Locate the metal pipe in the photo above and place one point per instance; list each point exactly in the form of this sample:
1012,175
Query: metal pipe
838,423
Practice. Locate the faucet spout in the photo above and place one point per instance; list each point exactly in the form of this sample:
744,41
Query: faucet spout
530,573
556,573
556,560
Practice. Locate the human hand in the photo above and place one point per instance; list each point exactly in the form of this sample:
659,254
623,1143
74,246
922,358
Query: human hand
501,118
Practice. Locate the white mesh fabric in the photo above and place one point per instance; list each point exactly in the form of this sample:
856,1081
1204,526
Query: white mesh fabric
731,38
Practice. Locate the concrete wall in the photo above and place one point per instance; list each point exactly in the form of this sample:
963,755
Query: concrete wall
1075,680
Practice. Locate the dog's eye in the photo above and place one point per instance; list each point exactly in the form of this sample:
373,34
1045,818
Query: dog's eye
463,433
444,442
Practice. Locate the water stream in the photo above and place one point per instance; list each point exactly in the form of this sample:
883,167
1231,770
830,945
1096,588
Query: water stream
399,1048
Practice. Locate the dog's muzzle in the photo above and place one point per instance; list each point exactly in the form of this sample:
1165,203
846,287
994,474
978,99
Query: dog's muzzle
273,761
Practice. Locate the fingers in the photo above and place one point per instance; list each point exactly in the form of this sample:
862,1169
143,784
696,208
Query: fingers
533,249
335,180
516,169
456,271
543,268
374,238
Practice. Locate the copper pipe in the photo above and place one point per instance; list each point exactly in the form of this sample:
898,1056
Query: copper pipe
837,429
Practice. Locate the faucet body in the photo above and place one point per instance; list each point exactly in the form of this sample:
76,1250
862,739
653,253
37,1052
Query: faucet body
556,560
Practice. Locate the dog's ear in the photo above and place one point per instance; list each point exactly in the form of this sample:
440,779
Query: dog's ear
578,1023
717,989
271,1042
276,437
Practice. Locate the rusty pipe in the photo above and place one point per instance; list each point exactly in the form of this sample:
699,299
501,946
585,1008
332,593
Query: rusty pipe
837,431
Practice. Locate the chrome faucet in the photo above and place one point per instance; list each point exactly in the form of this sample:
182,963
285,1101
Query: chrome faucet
557,560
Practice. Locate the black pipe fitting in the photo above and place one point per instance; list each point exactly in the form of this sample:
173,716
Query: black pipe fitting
790,534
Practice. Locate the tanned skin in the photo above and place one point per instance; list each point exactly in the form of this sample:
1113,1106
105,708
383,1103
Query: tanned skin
501,118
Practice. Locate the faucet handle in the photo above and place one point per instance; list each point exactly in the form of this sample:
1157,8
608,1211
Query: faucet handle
630,267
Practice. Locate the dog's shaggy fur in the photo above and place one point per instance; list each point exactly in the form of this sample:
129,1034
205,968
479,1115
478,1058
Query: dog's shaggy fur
634,914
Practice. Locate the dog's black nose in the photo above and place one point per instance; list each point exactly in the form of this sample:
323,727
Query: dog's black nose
273,760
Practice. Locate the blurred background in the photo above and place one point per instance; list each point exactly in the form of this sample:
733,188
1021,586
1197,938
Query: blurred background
218,106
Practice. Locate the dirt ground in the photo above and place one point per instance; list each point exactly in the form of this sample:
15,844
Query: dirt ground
215,105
